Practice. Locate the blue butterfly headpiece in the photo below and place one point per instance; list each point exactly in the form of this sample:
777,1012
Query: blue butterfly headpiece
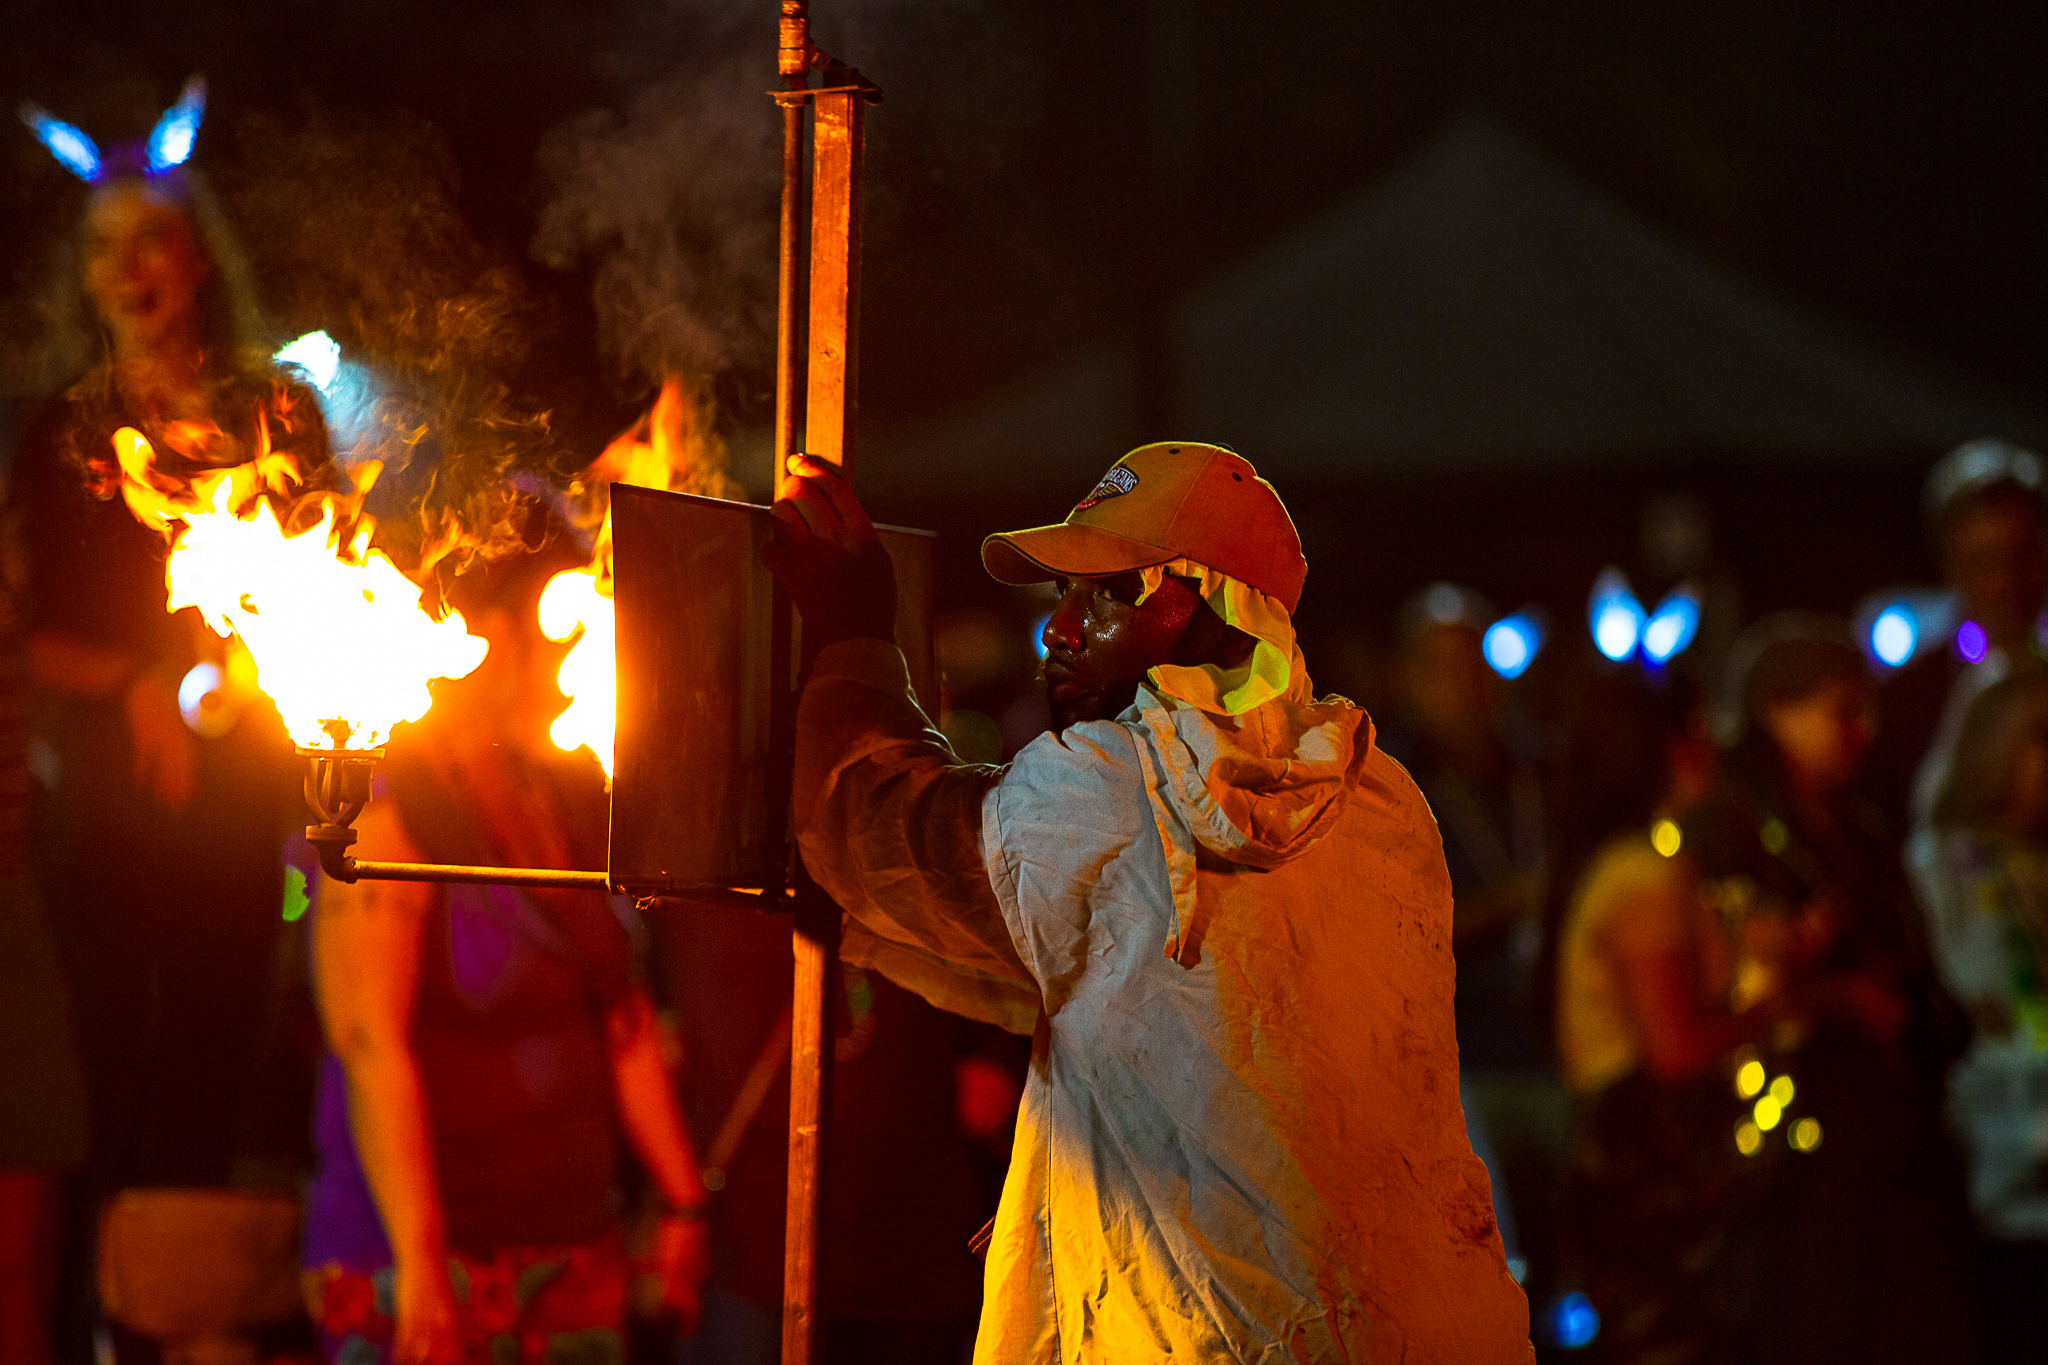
167,147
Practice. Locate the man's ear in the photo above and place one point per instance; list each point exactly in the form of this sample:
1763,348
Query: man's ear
1209,640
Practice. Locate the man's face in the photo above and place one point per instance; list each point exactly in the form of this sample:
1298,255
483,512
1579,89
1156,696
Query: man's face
1994,562
1099,642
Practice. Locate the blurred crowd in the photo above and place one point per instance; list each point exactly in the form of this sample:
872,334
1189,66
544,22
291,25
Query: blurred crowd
1749,953
1752,1007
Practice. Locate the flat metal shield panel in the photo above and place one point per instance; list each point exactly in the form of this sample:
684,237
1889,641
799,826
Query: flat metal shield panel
706,659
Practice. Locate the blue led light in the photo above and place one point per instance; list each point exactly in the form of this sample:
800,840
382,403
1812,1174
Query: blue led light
1038,633
72,148
1971,642
317,354
1671,627
1895,634
1574,1322
1615,615
1510,644
170,142
1614,629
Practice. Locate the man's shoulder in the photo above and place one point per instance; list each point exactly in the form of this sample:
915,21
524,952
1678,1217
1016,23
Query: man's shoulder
1082,790
1090,756
1386,781
1387,823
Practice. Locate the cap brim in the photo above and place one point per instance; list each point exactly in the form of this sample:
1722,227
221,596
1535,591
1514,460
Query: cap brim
1065,551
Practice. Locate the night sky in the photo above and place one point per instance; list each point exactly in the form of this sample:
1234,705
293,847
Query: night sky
1046,176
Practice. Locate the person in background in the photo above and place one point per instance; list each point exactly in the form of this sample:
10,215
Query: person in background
1642,975
1980,865
157,837
1984,513
42,1091
491,1051
1483,784
1862,1229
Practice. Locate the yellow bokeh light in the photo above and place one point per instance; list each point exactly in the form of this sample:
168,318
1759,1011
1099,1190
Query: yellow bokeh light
1749,1079
1767,1113
1666,838
1805,1135
1781,1090
1748,1138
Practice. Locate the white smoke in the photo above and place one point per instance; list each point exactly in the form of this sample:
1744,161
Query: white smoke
673,197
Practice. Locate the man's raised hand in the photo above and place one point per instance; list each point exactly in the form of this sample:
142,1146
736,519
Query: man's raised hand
829,559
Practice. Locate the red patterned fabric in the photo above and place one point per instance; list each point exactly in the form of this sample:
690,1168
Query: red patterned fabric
523,1304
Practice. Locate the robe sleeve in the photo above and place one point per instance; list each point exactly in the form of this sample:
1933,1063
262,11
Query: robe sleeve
890,824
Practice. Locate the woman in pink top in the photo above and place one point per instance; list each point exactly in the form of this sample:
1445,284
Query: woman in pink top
490,1048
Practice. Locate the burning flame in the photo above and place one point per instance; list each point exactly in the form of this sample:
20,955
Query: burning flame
671,447
570,603
339,638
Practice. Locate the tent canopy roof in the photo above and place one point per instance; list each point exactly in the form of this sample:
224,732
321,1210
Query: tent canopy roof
1482,309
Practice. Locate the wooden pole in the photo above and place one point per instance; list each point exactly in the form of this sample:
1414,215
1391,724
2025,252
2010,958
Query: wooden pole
830,402
829,412
814,945
793,61
818,323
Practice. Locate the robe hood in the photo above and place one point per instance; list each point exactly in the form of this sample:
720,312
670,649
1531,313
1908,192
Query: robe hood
1257,789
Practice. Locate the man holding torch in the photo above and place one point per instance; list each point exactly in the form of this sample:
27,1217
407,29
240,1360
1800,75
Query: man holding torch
1219,909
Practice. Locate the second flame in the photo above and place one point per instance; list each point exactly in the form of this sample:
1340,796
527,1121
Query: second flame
672,447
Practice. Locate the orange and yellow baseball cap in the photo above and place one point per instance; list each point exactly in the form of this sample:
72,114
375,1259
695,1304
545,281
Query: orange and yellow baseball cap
1166,501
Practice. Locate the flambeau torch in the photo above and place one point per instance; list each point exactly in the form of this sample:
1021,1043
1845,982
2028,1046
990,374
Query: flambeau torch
696,659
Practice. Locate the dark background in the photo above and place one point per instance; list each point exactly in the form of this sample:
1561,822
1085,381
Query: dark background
1048,176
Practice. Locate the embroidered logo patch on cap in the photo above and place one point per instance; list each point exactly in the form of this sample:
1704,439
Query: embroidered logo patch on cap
1117,482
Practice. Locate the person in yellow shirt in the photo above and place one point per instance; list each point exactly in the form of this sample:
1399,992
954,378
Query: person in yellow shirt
1645,1030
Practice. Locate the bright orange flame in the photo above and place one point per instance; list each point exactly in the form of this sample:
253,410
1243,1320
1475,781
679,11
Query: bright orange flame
572,606
671,447
340,640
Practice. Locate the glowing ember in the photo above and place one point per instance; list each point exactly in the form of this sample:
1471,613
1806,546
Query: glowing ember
573,605
341,642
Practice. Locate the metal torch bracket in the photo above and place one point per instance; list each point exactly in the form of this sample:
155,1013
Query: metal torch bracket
337,789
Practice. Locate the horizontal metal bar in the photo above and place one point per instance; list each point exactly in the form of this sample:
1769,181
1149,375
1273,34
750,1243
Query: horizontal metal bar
562,879
741,898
